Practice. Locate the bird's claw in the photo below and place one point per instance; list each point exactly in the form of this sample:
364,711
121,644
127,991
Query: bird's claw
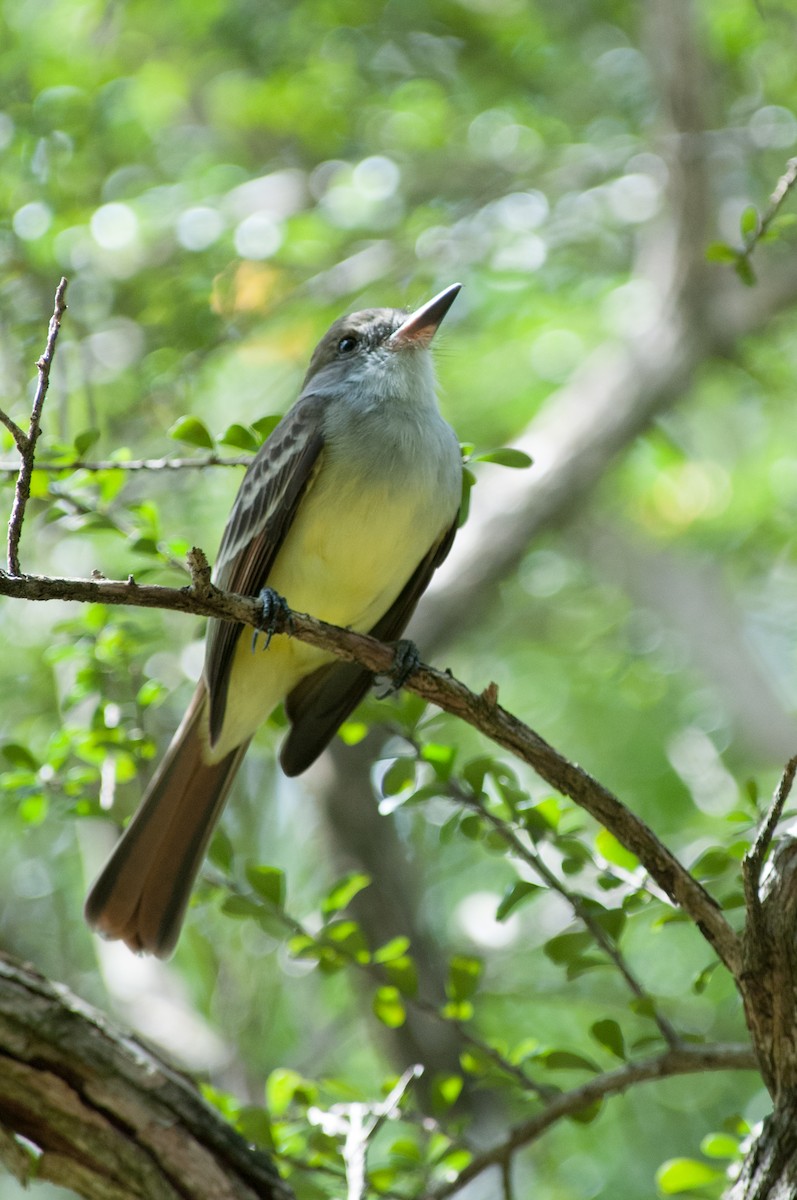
275,608
406,659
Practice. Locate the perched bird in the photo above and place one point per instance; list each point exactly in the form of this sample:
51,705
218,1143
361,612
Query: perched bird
345,511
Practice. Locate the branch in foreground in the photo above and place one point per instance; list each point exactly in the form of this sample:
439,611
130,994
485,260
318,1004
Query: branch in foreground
482,712
688,1060
109,1118
134,464
26,443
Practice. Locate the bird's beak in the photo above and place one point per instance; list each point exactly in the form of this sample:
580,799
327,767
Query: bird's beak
421,326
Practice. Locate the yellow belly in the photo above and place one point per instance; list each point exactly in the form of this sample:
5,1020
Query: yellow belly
349,553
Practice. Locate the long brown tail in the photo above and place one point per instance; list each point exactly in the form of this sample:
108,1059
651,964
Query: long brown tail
143,890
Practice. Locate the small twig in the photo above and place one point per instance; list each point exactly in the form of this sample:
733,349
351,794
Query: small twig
26,443
782,189
356,1124
130,464
510,835
753,861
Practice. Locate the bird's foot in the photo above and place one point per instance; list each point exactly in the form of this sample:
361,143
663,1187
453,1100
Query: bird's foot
406,659
275,612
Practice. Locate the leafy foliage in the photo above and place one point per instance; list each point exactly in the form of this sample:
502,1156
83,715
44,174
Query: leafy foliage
219,181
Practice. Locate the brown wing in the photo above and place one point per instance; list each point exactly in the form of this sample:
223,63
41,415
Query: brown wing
264,508
321,703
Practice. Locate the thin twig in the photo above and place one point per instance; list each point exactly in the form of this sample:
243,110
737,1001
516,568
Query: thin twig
436,687
130,464
26,443
782,189
753,861
686,1060
599,934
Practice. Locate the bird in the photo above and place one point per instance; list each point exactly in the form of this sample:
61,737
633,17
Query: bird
346,511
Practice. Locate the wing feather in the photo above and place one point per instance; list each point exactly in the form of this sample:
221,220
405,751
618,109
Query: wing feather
264,508
320,704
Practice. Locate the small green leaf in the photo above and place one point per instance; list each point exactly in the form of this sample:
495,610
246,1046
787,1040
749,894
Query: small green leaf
221,851
686,1175
255,1125
344,892
283,1086
389,1007
85,440
268,883
567,947
446,1091
397,947
241,437
192,431
240,906
464,974
399,777
403,974
513,896
748,222
506,457
744,269
564,1060
266,425
610,1035
720,1145
614,852
19,756
721,252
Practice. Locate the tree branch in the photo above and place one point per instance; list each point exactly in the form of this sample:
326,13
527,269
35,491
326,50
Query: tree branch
687,1060
26,443
129,464
108,1117
437,687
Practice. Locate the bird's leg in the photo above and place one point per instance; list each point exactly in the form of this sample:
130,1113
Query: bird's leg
275,611
406,659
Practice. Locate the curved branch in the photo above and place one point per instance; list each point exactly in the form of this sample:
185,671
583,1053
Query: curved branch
109,1118
481,711
688,1060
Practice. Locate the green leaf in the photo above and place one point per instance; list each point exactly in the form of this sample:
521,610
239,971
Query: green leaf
403,974
721,252
85,440
399,777
744,269
609,1034
748,222
397,947
564,1060
192,431
268,883
344,892
255,1125
567,947
720,1145
389,1007
446,1091
464,974
19,756
283,1086
686,1175
514,895
221,851
506,457
266,425
241,437
240,906
615,852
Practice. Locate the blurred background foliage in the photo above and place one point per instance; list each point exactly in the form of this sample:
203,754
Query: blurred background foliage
218,181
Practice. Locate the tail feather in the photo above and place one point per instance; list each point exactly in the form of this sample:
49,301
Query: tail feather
142,893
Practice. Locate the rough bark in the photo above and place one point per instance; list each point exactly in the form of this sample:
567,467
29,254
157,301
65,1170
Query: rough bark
109,1119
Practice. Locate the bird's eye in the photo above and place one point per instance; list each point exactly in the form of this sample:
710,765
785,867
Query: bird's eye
347,344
